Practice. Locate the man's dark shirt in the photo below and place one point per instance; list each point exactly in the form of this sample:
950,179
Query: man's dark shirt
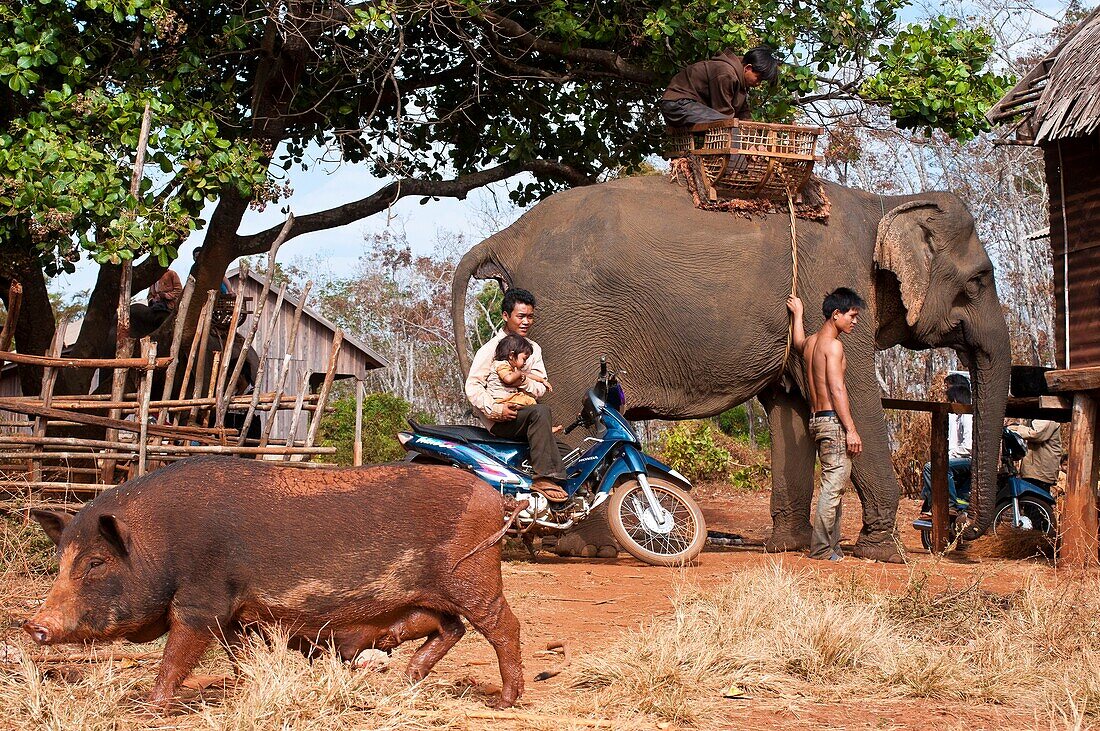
718,83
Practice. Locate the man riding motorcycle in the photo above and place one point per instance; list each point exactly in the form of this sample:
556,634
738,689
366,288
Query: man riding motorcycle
509,420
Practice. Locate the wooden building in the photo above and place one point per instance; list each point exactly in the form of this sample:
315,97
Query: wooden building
1056,107
309,355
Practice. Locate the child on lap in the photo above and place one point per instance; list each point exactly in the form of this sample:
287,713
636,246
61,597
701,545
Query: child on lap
507,375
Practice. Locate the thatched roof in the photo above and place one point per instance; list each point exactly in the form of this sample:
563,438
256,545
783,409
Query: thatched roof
1060,96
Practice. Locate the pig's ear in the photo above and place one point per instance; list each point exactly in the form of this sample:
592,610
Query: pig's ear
116,533
53,522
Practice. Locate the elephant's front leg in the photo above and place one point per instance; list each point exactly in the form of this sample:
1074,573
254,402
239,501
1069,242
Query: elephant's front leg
793,454
872,471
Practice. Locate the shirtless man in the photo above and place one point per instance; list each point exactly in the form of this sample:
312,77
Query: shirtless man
831,425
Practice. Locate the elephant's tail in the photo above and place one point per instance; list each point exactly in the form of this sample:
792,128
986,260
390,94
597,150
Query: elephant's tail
478,263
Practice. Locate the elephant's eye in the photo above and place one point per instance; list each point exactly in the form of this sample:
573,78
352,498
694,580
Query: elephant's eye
974,285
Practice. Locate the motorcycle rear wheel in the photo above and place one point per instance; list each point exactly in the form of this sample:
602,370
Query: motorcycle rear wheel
679,546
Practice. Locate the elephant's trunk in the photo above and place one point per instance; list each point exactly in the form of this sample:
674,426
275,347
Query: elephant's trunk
990,370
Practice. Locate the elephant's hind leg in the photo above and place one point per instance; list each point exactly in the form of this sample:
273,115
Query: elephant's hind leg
793,455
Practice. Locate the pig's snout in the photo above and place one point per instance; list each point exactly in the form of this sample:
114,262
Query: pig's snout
39,631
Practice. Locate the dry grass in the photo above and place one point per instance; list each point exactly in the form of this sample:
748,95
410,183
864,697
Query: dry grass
781,635
785,635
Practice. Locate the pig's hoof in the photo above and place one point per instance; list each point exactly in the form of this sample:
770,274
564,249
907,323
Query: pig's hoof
501,703
608,552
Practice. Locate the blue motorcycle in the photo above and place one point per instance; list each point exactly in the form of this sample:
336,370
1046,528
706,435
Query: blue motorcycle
1021,505
649,510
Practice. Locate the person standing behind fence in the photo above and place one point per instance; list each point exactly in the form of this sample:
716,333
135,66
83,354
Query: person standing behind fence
1043,460
960,439
831,426
165,293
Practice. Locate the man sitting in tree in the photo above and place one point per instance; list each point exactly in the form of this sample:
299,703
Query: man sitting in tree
717,89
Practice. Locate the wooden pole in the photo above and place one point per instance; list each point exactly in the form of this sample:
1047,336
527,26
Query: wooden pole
940,508
261,369
150,351
269,423
222,391
161,448
296,415
174,354
357,446
326,387
200,360
114,424
291,344
15,299
62,402
123,343
264,289
49,378
204,317
1079,508
45,361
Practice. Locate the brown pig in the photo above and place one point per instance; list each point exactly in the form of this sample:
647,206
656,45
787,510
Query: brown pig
357,558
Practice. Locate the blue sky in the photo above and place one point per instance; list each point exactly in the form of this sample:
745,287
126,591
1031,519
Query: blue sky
328,185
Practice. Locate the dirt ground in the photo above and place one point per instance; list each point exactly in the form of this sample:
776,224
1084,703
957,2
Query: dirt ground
586,603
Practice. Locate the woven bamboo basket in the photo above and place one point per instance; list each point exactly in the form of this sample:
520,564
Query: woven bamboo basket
742,159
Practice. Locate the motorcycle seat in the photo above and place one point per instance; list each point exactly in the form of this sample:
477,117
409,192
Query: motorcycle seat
464,433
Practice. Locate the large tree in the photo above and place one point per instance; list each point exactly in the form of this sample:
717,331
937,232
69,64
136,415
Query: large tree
438,97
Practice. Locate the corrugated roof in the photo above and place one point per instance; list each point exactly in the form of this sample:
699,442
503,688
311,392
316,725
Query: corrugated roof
292,300
1060,96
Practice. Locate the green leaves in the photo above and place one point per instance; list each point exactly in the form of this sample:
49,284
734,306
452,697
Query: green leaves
934,77
429,90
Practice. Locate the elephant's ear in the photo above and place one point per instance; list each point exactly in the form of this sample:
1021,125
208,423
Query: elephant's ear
906,246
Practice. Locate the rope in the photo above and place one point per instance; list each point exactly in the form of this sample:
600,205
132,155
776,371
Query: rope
794,269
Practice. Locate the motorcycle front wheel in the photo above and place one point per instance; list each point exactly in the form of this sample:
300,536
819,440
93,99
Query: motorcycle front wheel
1035,514
634,527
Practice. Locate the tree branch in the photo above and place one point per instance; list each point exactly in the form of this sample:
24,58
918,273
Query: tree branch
512,31
389,194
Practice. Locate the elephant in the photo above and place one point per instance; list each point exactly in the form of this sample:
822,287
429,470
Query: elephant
692,305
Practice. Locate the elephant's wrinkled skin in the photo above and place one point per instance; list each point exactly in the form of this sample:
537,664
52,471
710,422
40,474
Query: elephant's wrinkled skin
692,304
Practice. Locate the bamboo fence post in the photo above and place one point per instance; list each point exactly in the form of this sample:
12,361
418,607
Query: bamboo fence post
220,388
49,378
43,361
261,369
216,360
296,416
123,343
264,289
200,360
177,336
15,301
273,412
150,353
322,398
291,344
357,446
204,316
